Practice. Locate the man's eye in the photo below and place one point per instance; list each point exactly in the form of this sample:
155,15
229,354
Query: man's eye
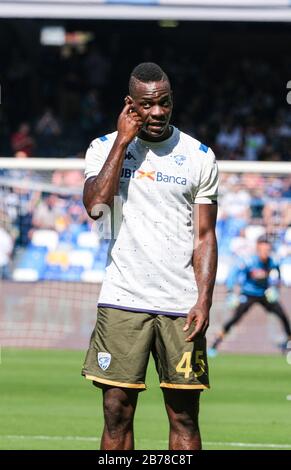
146,105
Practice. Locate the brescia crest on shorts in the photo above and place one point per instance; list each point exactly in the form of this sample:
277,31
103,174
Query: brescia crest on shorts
104,360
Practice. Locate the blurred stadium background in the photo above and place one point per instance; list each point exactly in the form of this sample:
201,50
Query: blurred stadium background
63,73
54,256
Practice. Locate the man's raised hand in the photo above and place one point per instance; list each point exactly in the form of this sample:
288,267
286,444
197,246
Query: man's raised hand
129,124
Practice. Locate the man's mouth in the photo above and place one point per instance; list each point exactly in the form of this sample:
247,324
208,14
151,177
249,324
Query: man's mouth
156,125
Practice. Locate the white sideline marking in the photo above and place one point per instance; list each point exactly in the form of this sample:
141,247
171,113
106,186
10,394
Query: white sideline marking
249,444
50,438
96,439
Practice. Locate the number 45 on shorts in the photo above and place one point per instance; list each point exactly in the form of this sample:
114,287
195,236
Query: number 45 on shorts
185,364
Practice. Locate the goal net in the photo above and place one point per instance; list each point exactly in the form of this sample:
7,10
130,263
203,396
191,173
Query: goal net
52,260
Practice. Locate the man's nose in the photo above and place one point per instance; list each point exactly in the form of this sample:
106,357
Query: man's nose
157,112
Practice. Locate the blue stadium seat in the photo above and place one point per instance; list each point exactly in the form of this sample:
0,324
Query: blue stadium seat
73,274
33,258
52,273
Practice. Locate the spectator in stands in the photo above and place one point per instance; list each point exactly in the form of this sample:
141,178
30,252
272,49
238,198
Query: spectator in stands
257,203
224,112
286,188
282,129
277,212
22,141
236,202
48,124
21,155
229,138
48,130
69,178
26,200
254,143
76,212
47,212
241,245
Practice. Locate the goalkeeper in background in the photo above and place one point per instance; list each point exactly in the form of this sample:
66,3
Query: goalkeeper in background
259,279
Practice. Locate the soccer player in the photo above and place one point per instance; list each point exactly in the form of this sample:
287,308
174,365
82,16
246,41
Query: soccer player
158,285
259,278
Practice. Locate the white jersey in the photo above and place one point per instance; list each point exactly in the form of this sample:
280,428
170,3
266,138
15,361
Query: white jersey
149,266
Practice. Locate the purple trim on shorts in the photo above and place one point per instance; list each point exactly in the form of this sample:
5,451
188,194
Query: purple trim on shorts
144,310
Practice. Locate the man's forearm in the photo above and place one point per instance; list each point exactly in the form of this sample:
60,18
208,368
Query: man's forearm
205,267
102,188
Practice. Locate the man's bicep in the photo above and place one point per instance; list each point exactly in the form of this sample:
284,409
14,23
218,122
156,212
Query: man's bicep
205,216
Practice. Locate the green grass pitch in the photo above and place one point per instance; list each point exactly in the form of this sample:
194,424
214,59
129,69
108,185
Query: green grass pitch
46,404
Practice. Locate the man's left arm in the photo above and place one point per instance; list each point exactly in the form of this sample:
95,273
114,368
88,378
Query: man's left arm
272,293
205,267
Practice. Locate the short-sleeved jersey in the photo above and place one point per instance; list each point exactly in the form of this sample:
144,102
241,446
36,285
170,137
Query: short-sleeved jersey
149,266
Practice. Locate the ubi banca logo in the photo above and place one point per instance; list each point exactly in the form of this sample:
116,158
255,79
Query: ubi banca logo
158,176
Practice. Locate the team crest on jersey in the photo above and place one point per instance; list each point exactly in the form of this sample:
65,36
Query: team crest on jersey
179,159
104,360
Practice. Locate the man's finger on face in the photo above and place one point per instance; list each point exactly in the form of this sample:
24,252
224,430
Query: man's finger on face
138,120
126,109
133,119
133,114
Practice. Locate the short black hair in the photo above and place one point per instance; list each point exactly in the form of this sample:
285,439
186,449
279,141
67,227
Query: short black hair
146,72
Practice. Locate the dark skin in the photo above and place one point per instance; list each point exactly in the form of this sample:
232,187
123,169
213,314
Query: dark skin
205,267
153,102
147,114
102,188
